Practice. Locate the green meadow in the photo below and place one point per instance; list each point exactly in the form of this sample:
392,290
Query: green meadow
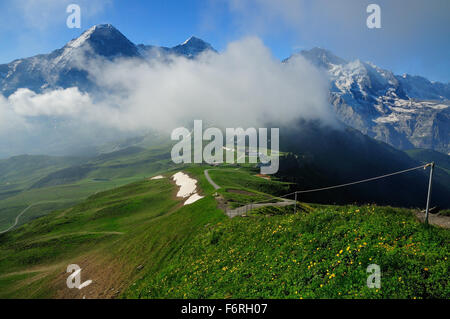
51,183
139,241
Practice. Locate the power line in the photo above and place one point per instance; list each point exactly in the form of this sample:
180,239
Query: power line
346,184
362,181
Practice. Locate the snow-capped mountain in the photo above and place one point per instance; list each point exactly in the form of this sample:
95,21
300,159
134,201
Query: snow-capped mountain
405,111
190,48
61,68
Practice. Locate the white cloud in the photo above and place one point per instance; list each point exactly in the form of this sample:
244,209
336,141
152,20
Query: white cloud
10,121
67,102
243,86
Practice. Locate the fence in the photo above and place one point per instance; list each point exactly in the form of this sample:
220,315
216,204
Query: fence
243,209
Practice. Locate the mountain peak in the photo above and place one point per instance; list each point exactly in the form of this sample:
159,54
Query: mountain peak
193,40
192,47
98,27
96,30
104,26
322,57
105,40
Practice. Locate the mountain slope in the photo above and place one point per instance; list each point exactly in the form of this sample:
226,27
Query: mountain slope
49,183
428,156
20,172
314,156
125,228
404,111
190,48
137,241
325,156
442,167
61,68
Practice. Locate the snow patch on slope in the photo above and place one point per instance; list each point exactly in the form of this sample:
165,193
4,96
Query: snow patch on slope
188,187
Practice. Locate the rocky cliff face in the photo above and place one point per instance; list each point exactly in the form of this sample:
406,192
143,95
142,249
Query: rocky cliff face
404,111
61,68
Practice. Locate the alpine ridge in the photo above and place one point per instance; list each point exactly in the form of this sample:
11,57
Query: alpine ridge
404,111
61,68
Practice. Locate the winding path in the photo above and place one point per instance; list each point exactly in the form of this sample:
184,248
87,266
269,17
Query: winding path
25,210
17,220
244,209
210,180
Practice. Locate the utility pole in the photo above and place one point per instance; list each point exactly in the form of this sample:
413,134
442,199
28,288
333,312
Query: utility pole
295,204
429,192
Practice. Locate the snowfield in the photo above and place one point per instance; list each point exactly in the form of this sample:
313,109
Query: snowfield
188,187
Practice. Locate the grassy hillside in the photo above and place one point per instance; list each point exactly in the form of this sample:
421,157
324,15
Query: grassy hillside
428,156
20,172
321,252
37,185
322,157
138,241
55,183
241,186
109,235
441,160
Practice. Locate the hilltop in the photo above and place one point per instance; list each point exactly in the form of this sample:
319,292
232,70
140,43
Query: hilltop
139,241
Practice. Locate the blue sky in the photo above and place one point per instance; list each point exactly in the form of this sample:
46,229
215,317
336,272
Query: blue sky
414,38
